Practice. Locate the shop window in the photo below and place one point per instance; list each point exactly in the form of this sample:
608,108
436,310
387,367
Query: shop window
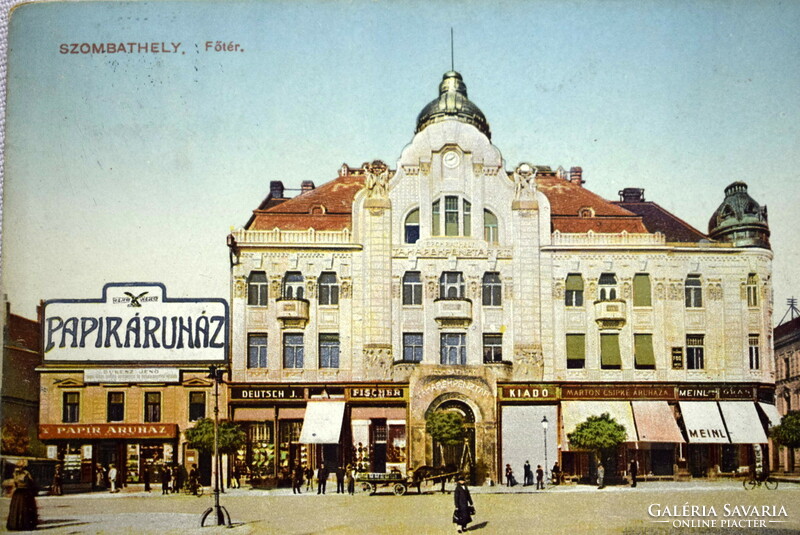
116,407
641,290
257,351
573,296
262,449
694,292
492,347
576,351
152,406
454,348
197,406
293,350
412,288
412,226
643,355
491,230
694,352
328,350
753,350
412,347
492,289
396,445
451,285
610,358
608,286
293,285
71,407
257,289
328,289
752,290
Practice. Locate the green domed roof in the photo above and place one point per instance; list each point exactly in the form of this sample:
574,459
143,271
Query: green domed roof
453,103
740,219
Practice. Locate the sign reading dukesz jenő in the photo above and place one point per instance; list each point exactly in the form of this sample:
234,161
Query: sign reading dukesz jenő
135,322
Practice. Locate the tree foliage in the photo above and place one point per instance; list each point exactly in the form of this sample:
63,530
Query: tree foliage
788,432
598,433
201,436
446,427
15,439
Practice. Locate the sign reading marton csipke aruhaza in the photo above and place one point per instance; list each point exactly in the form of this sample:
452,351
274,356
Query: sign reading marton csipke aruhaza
135,321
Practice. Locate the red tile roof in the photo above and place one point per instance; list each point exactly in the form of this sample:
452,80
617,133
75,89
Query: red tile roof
657,219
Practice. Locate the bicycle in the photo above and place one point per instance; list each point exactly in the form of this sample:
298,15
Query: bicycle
195,489
751,482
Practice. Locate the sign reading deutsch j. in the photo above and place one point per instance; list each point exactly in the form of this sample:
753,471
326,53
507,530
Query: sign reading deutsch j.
135,321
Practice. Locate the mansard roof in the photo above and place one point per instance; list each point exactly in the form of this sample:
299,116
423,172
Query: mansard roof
657,219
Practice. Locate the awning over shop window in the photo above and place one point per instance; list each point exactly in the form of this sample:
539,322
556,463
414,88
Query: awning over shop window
771,412
253,414
744,425
323,422
655,422
703,422
576,412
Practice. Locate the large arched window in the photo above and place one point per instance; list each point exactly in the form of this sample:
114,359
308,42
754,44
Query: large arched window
490,229
412,227
453,215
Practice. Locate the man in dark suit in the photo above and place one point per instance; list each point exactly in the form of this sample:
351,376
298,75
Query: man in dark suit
322,478
340,480
633,468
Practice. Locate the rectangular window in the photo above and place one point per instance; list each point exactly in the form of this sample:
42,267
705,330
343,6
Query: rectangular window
755,360
116,407
451,285
152,407
435,225
293,350
695,359
694,292
610,358
492,347
197,406
412,347
328,350
454,348
643,355
490,230
257,289
412,288
576,351
328,289
641,290
573,296
451,216
257,351
752,290
71,407
467,218
492,290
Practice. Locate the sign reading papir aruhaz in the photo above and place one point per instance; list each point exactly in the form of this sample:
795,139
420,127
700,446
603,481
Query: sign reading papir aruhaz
135,321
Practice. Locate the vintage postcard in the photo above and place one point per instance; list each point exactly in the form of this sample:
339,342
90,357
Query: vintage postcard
367,267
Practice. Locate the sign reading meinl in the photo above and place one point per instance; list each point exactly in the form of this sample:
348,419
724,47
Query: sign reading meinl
135,321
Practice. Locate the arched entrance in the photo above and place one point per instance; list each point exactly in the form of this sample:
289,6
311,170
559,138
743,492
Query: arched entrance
459,456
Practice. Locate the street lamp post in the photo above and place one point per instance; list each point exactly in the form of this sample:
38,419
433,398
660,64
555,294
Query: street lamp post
221,514
544,438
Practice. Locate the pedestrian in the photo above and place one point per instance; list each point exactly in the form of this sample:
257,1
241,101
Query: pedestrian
177,480
556,472
99,477
350,479
166,476
601,474
297,479
309,478
322,478
146,477
235,483
510,482
58,478
340,480
464,507
633,468
539,477
112,478
527,475
22,513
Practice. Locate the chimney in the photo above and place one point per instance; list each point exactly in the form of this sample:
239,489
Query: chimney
276,189
631,195
576,175
306,185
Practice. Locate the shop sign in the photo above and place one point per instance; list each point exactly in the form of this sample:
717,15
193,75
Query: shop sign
107,431
697,392
736,392
377,392
131,375
528,392
135,322
677,358
271,393
618,392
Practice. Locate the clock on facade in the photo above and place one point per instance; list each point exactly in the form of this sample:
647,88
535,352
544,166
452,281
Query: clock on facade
451,159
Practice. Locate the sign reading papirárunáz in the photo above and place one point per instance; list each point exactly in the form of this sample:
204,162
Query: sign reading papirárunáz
135,322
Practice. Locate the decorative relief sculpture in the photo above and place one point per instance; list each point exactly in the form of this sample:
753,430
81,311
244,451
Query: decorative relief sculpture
431,287
715,291
558,289
239,288
474,288
528,362
345,289
591,290
627,291
524,182
378,361
376,180
275,286
660,290
311,286
675,291
508,287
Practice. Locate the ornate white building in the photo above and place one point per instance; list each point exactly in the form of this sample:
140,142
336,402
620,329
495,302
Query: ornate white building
509,294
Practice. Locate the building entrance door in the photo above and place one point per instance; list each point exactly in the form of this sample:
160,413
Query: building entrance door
457,454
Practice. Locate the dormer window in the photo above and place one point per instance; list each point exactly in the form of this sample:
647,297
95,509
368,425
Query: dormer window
586,212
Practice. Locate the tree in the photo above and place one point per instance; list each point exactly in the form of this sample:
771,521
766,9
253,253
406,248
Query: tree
446,428
15,439
201,436
788,432
599,434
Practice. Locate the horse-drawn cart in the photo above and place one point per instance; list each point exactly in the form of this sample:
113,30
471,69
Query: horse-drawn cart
371,481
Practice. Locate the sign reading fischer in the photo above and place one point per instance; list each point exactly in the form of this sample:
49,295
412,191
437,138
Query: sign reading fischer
54,431
378,392
135,322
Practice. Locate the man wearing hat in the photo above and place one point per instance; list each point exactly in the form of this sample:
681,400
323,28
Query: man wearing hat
463,502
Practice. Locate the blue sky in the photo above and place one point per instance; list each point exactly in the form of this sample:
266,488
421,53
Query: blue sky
135,166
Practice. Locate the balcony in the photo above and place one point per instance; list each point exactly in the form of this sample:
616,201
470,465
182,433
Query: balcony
453,312
293,312
610,314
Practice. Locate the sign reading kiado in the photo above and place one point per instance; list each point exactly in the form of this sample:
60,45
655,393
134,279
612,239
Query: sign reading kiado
135,321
